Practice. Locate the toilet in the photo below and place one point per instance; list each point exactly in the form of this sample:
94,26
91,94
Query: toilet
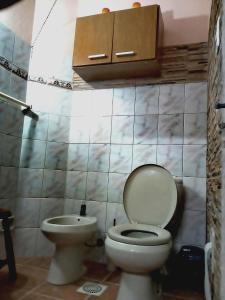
150,200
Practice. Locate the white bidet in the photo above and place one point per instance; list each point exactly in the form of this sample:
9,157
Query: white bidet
68,233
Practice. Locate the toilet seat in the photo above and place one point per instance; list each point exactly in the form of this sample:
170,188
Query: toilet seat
150,196
139,234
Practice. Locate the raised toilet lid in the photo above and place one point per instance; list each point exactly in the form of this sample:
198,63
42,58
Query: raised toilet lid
150,196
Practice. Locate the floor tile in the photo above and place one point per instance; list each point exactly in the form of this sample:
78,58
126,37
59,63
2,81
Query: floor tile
40,262
66,292
23,260
114,277
96,271
31,283
184,294
34,296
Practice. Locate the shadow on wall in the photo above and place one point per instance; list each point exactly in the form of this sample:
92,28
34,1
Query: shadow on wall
191,30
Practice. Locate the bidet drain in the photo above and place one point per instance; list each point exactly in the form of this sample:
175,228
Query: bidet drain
92,288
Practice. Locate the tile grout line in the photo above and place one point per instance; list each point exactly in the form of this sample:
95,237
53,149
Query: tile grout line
31,291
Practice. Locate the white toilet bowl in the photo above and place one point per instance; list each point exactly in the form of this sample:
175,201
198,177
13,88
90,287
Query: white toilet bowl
68,233
143,245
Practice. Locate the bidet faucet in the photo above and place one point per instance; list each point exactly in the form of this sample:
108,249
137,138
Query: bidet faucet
83,210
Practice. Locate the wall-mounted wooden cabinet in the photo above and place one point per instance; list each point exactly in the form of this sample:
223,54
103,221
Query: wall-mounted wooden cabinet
121,44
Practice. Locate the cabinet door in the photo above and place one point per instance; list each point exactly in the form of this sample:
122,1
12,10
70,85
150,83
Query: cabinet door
93,40
135,34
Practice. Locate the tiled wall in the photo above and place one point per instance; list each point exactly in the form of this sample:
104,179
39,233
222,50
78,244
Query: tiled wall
87,142
17,52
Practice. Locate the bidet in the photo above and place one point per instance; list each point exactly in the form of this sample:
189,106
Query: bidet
68,233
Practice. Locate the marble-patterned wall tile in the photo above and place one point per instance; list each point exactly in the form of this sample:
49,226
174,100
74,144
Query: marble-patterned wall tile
7,39
170,130
56,156
115,211
11,120
10,150
18,87
25,242
30,183
4,80
77,159
32,154
81,103
194,160
122,130
77,206
69,206
97,209
97,186
171,99
145,129
41,96
79,130
27,212
192,230
36,130
123,101
43,246
195,193
75,184
54,183
195,127
51,207
147,100
62,99
196,97
121,158
8,182
170,157
21,53
58,129
143,154
116,186
99,158
101,130
101,102
63,67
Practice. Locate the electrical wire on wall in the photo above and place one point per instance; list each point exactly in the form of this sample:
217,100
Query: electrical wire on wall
42,26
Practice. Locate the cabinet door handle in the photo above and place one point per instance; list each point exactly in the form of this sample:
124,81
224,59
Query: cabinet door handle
96,56
127,53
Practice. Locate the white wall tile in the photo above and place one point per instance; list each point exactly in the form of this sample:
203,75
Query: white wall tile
170,130
170,157
196,97
147,100
194,160
143,154
123,101
171,99
195,129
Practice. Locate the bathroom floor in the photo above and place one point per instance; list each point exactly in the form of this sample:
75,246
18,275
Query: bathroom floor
31,283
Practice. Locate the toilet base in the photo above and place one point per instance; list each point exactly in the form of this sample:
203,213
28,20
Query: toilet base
66,265
136,287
